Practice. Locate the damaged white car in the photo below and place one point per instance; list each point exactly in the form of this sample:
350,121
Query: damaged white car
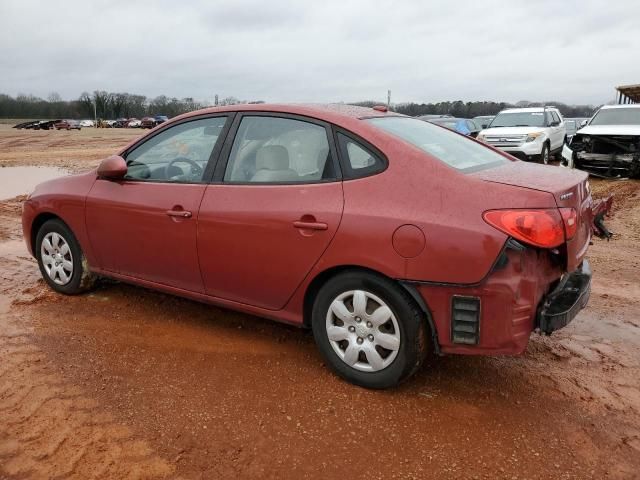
609,146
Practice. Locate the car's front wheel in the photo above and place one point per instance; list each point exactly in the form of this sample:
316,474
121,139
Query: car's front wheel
60,258
369,330
544,155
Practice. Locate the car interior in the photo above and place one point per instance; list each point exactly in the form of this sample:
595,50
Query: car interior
271,149
265,150
179,154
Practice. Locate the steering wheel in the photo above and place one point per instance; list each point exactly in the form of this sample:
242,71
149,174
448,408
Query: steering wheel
196,170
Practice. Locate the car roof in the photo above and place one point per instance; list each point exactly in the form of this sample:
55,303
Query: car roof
340,114
328,112
447,119
626,105
528,109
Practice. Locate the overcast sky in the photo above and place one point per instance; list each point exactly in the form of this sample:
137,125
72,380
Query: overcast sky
323,50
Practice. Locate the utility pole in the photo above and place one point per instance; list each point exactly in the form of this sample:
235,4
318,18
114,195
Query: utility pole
388,99
95,112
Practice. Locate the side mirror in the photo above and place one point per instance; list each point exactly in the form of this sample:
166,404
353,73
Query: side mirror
112,168
584,123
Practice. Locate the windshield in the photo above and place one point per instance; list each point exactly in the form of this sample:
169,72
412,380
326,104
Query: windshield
518,119
453,149
617,116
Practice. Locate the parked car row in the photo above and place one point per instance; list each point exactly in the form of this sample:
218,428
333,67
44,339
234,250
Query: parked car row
145,122
526,133
50,125
606,145
68,124
150,122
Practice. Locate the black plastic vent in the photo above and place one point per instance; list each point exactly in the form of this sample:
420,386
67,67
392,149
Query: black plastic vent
465,320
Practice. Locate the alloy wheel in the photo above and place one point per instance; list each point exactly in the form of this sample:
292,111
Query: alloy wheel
57,258
363,331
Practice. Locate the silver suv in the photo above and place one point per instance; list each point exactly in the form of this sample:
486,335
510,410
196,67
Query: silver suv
533,133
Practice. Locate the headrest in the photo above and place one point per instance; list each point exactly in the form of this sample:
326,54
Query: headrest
272,157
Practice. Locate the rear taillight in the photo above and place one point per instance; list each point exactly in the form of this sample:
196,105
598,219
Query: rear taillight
541,228
570,219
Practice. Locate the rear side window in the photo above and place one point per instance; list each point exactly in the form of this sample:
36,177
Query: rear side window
358,160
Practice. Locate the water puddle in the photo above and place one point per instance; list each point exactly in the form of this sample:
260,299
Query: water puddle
22,180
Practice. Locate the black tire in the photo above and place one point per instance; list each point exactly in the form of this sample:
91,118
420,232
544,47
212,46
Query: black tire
410,318
81,278
545,154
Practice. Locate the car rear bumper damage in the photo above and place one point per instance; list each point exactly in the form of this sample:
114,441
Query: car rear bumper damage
526,292
562,305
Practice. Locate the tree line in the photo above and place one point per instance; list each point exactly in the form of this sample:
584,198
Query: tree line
462,109
110,105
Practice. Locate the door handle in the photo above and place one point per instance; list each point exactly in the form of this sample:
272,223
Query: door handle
310,225
179,213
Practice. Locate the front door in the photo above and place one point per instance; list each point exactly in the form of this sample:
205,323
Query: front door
273,212
144,226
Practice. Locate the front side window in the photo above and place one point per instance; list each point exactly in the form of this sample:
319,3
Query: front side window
177,154
279,150
454,150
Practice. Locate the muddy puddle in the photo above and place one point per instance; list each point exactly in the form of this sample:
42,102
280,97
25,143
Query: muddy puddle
22,180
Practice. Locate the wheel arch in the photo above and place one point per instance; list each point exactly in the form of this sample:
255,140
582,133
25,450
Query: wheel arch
324,276
37,224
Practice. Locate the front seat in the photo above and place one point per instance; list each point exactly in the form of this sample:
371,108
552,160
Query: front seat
272,165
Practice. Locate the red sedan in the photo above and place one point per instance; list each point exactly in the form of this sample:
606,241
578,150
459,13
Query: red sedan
388,236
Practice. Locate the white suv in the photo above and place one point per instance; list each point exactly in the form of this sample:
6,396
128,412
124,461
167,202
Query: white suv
527,133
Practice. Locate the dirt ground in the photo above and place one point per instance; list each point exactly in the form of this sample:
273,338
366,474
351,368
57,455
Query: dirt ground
129,383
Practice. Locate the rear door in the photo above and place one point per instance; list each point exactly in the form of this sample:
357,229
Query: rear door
144,226
274,207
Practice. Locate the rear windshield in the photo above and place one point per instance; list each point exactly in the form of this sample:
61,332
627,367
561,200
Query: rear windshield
617,116
455,150
519,119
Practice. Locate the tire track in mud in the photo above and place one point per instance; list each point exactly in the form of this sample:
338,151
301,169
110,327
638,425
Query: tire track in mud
49,427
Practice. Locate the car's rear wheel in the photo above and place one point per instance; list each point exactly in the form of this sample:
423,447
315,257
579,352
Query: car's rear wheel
369,330
60,258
